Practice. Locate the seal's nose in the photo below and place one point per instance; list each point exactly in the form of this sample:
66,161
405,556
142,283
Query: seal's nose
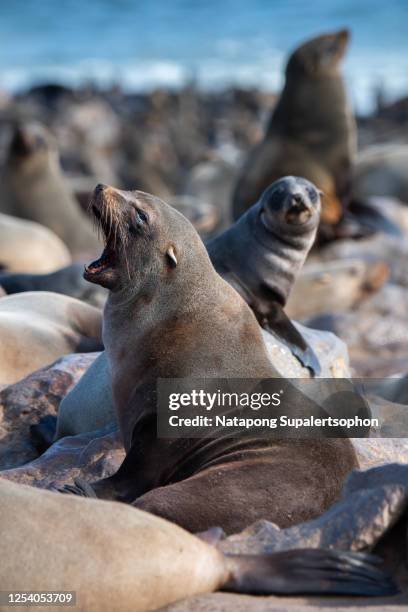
297,202
99,188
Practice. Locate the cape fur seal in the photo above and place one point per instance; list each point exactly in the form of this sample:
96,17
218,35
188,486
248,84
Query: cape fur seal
38,327
67,281
119,558
262,253
29,247
34,188
170,315
311,132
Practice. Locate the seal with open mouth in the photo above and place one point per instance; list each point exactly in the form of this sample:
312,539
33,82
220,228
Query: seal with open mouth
262,253
170,315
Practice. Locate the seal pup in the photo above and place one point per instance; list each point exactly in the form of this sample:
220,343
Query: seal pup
38,327
29,247
263,252
311,132
67,281
33,187
119,558
170,315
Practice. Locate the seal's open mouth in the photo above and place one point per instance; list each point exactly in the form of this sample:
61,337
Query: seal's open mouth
105,263
102,270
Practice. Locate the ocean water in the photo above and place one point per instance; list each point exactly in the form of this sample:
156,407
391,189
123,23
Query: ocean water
143,44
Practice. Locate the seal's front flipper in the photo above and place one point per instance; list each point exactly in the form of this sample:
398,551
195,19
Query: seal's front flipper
80,488
278,323
309,571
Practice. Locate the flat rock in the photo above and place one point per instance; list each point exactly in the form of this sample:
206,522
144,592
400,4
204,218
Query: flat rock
90,456
27,401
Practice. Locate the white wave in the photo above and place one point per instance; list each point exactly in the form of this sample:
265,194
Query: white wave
264,69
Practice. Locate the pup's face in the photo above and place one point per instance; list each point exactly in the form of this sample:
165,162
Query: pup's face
292,202
137,228
321,55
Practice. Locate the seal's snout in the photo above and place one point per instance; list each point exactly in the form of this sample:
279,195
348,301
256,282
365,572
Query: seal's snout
298,202
298,209
99,189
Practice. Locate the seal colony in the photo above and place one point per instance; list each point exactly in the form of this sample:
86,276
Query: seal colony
311,132
170,315
183,319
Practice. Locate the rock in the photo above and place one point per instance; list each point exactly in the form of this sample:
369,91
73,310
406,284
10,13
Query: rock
392,474
91,456
375,334
25,402
357,523
379,248
393,389
334,286
378,451
329,349
381,170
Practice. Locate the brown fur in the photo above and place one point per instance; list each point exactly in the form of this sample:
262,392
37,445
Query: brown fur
311,132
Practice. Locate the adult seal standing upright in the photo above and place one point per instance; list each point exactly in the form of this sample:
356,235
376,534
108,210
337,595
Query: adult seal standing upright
262,253
170,315
311,132
33,187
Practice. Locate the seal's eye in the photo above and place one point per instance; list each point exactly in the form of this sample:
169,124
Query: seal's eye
139,218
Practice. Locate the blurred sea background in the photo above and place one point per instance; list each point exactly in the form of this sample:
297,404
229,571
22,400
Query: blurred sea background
168,43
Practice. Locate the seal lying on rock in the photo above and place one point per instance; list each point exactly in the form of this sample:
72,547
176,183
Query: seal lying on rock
170,315
119,558
67,281
262,253
34,188
29,247
311,132
38,327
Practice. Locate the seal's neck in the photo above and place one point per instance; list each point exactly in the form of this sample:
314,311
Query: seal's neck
322,101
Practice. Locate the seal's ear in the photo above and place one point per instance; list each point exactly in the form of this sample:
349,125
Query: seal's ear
171,256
